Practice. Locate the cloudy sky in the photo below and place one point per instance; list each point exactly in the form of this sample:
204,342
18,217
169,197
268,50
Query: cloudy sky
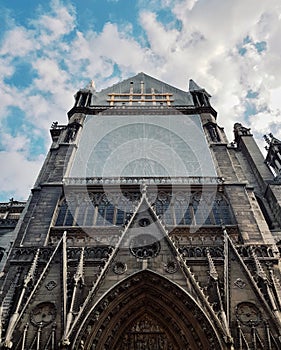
50,49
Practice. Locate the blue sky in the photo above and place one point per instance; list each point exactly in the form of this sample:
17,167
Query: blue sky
48,50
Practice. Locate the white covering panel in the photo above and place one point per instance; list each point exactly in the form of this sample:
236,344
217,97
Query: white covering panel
142,146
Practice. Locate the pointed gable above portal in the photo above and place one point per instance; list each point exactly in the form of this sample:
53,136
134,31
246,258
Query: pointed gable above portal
142,89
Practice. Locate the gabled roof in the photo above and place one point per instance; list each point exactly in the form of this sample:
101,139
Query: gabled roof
148,84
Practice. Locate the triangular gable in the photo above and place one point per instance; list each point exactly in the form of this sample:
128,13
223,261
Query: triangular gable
145,245
147,84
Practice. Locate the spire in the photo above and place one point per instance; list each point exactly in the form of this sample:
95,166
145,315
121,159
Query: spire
83,97
90,87
200,96
194,86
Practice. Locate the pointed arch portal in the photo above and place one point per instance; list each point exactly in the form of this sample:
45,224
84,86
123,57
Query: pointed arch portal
147,312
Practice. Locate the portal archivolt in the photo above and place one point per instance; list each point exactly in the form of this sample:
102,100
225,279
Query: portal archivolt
147,312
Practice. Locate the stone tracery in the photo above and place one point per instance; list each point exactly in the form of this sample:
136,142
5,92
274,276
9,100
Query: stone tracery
174,208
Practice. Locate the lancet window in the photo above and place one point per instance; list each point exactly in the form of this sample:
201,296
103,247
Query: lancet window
197,208
96,209
179,208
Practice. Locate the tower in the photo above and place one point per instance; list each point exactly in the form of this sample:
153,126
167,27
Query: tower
146,229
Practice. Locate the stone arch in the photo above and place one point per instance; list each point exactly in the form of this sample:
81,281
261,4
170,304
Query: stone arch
180,322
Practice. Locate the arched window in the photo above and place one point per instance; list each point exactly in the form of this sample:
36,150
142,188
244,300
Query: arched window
65,216
202,204
81,212
180,208
213,132
96,209
105,212
90,214
197,209
222,211
162,207
175,209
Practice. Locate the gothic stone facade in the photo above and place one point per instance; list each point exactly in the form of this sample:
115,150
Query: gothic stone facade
146,229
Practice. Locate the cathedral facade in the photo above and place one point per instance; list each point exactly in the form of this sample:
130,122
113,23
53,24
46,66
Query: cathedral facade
146,229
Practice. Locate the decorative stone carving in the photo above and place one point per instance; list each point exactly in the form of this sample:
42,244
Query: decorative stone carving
240,130
119,268
146,334
28,253
240,283
43,314
51,285
99,252
130,301
145,246
264,251
151,180
143,222
248,314
171,267
71,131
213,132
201,252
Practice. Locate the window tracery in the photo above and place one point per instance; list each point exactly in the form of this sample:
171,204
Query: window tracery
179,208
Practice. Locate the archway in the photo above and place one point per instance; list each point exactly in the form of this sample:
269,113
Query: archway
147,312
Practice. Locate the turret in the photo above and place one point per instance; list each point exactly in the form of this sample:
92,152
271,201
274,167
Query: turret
200,96
83,97
201,101
247,145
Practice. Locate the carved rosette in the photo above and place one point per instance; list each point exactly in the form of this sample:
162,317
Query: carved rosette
51,285
171,267
119,267
248,314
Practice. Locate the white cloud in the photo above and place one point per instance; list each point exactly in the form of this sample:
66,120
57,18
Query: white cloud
17,42
7,98
50,77
206,49
275,99
14,144
54,25
18,174
93,55
155,31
